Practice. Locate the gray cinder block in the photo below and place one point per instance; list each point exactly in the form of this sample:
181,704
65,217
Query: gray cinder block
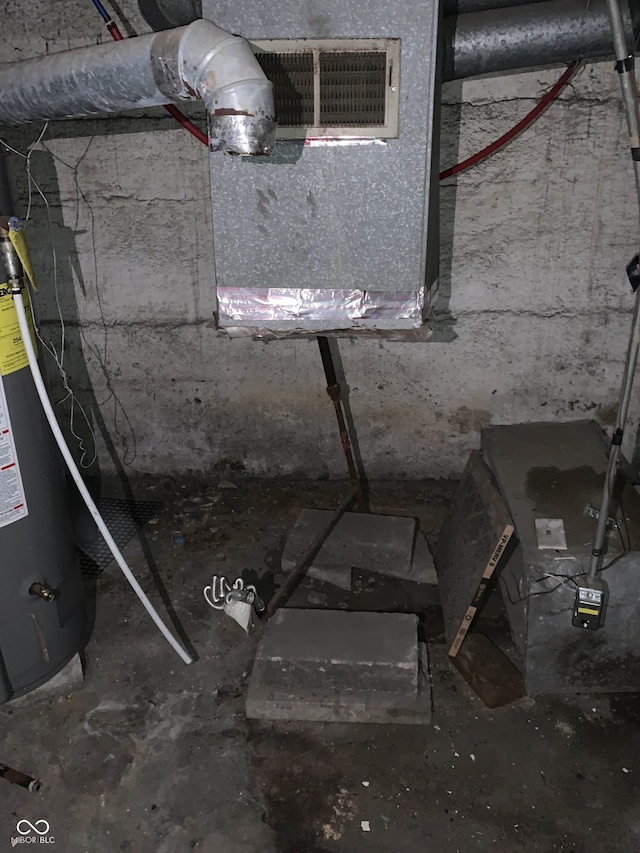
330,665
386,544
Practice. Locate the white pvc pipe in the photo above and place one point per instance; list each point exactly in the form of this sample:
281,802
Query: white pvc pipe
75,473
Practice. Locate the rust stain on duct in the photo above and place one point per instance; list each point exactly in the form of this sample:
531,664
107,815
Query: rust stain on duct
223,111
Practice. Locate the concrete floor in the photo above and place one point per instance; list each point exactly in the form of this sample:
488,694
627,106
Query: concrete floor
151,756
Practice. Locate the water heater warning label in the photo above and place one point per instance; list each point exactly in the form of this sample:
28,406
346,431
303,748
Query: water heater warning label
13,355
13,505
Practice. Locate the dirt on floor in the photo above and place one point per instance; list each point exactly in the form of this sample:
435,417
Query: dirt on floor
152,756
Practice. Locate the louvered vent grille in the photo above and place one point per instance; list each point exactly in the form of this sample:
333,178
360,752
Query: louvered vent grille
292,75
322,89
352,89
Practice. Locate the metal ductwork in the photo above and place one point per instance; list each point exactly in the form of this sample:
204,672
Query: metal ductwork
166,14
197,61
487,36
531,35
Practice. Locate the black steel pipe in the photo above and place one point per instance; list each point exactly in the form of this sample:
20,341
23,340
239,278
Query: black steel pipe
488,36
335,393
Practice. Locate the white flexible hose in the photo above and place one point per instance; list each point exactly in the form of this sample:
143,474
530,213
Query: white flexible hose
75,473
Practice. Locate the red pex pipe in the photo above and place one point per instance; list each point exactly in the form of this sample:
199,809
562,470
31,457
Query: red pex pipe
531,116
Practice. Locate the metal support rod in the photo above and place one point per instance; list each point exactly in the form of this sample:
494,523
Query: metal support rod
335,393
300,569
628,85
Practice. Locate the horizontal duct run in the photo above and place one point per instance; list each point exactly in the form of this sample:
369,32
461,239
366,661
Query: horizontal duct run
487,36
527,36
196,61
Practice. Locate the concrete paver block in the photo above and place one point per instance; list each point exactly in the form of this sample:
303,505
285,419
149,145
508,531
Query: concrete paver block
386,544
330,665
339,576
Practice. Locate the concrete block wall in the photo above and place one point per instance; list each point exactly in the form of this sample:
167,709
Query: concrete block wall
534,246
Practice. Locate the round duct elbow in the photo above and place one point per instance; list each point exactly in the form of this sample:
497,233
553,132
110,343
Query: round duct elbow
240,134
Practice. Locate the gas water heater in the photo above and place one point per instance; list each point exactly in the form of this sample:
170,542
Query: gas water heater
42,614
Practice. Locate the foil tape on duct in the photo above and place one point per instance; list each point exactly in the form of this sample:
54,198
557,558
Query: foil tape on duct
267,311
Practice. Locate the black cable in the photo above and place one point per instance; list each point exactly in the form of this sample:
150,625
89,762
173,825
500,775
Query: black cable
614,561
563,578
626,525
626,546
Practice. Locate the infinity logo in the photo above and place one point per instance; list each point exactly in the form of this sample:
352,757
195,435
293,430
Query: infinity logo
32,827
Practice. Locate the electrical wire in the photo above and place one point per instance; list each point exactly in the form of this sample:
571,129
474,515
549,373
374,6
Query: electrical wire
626,546
521,126
173,111
626,549
58,355
613,562
563,579
30,151
129,451
625,524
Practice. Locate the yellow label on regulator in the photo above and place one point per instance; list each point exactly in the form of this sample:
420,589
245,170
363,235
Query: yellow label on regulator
13,355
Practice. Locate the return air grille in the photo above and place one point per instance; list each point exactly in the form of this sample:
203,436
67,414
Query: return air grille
292,75
352,89
333,88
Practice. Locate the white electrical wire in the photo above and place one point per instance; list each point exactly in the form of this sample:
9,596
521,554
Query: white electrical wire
75,473
30,151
